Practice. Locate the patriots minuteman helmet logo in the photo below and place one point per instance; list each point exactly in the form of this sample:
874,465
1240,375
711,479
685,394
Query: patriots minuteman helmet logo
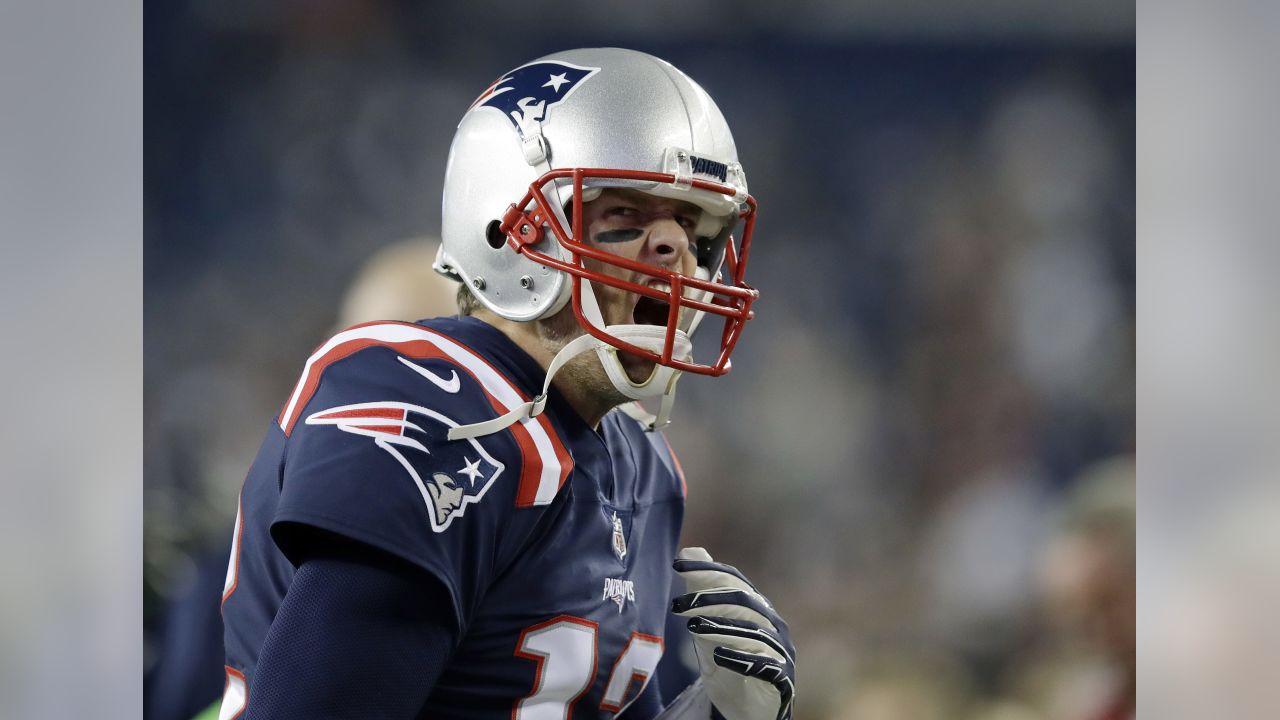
449,478
527,94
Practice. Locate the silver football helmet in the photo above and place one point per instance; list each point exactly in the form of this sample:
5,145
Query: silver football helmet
548,137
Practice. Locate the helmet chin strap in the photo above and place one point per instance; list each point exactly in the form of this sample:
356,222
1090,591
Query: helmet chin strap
662,381
649,337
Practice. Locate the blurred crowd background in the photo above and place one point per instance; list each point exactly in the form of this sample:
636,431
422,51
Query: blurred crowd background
925,453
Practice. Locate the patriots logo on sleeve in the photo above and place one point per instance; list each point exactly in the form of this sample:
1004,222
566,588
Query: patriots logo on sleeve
527,94
449,477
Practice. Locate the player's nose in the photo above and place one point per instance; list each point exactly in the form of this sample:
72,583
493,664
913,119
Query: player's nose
667,243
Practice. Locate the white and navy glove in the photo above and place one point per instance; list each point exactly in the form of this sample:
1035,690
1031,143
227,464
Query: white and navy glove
744,648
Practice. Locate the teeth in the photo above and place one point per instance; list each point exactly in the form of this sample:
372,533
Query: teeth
659,285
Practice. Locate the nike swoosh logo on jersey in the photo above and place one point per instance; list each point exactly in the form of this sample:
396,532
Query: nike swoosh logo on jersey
452,385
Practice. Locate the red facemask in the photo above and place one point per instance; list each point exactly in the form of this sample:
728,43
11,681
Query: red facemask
731,300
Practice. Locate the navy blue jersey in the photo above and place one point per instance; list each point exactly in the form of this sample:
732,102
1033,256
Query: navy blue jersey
553,540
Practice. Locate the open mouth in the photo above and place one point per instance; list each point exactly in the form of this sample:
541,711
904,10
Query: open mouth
652,311
649,311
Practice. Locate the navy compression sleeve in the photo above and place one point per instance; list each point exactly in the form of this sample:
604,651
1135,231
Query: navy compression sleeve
359,634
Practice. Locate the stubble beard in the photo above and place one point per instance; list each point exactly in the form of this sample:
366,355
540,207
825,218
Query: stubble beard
585,370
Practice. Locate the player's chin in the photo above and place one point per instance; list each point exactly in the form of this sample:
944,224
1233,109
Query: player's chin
638,369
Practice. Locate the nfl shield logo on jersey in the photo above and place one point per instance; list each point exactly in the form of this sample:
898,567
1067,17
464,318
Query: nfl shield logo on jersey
619,539
449,477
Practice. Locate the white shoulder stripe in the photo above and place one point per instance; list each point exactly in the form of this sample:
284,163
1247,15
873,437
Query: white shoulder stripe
233,696
233,563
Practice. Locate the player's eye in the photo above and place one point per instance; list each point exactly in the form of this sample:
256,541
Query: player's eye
623,212
688,222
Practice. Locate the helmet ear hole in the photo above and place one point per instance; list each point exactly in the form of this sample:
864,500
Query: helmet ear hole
493,233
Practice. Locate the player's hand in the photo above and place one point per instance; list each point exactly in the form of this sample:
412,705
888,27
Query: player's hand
744,648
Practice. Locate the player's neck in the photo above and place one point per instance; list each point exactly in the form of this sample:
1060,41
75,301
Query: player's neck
591,400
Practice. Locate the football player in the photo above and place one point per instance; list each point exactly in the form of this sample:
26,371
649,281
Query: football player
472,517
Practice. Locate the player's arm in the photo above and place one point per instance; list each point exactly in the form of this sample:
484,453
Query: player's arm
360,633
745,655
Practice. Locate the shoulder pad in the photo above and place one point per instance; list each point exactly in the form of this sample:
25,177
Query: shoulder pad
401,371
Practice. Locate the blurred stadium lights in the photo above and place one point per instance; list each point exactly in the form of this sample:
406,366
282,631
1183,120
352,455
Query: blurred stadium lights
831,20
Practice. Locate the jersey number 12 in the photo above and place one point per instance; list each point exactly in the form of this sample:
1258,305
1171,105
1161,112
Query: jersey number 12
565,650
